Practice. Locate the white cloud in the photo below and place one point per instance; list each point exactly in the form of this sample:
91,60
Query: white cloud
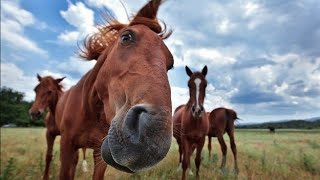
179,96
69,36
262,76
12,10
250,8
13,22
198,57
14,77
225,26
82,18
281,89
75,64
116,7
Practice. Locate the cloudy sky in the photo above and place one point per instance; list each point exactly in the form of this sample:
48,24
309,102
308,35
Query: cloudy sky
263,57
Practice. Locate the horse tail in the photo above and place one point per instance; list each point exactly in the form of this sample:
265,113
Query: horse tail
228,119
237,118
84,162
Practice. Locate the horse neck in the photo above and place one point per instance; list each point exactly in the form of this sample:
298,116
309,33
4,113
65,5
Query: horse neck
90,98
53,104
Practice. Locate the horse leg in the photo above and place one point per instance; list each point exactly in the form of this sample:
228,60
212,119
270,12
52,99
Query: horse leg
50,141
223,149
234,150
74,164
198,155
180,156
69,158
209,146
84,162
99,165
185,159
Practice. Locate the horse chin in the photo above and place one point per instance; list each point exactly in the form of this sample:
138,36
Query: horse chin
107,157
137,140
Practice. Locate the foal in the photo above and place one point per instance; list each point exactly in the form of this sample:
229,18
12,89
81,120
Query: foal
48,92
222,121
190,121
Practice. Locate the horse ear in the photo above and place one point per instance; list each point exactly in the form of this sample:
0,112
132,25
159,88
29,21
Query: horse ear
149,10
39,77
59,80
204,70
189,72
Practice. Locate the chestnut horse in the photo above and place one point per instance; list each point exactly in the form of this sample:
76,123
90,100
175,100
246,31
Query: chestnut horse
190,121
222,121
122,107
48,92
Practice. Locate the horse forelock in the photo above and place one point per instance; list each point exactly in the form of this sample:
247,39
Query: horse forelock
95,44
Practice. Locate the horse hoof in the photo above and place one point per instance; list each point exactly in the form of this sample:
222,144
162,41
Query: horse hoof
190,172
223,170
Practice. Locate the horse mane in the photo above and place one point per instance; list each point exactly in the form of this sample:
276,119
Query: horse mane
94,45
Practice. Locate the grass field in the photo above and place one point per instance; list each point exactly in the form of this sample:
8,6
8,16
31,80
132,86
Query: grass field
287,154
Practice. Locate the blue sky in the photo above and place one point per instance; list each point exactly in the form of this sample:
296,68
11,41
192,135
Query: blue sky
263,57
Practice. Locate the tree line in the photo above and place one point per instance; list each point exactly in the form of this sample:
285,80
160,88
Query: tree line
294,124
14,109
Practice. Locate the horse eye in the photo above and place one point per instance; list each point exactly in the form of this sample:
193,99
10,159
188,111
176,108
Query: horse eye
49,92
126,37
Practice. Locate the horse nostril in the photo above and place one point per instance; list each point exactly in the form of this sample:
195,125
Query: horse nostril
201,108
35,114
193,108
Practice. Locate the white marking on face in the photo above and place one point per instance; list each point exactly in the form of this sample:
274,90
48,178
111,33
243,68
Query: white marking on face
197,81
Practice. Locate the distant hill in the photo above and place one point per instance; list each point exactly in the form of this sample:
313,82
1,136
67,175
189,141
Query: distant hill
293,124
313,119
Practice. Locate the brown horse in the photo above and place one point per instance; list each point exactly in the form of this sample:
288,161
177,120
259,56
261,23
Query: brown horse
48,92
122,107
222,121
190,121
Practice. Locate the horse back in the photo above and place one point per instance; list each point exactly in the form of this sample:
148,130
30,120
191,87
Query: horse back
218,122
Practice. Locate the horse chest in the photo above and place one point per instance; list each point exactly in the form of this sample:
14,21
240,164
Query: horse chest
194,138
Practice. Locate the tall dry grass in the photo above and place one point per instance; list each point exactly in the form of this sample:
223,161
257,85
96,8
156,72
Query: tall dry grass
287,154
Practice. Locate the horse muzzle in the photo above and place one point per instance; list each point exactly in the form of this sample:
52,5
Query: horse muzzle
139,139
35,114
